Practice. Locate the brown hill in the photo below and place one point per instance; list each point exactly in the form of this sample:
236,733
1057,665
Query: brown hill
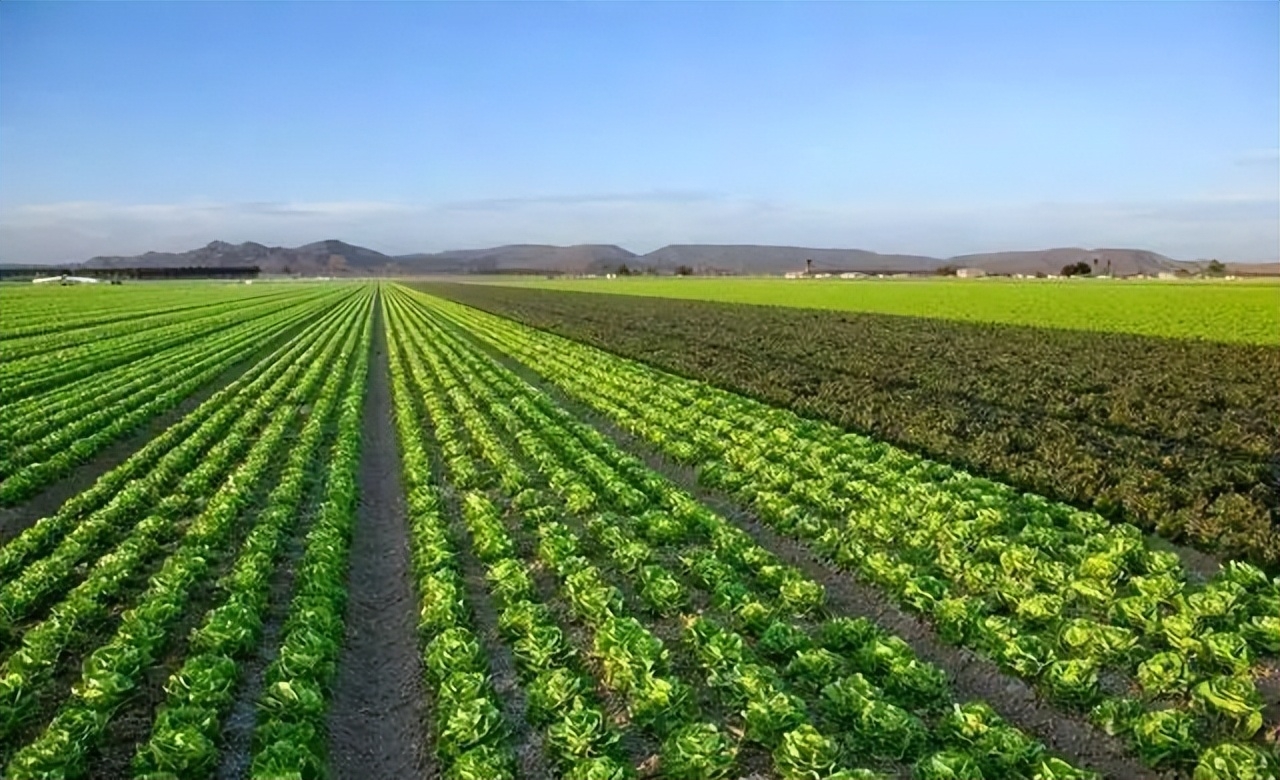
337,258
322,258
516,258
756,259
1121,262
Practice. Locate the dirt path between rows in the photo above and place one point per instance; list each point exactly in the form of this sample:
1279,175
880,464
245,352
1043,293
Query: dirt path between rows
19,517
973,677
377,716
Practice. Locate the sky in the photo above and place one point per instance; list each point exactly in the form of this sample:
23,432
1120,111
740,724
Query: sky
931,128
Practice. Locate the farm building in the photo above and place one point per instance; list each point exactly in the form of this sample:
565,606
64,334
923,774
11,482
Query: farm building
65,280
970,273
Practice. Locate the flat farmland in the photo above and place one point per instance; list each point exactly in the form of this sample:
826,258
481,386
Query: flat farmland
368,529
1238,311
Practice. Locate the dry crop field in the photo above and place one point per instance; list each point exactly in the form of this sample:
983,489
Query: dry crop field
373,530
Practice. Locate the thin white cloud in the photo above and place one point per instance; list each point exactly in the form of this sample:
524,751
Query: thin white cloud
1229,227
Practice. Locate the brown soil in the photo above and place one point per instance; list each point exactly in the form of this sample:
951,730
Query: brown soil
377,715
1269,686
973,677
17,518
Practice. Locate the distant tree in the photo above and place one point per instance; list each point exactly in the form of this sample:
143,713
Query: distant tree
1215,268
946,270
1041,275
1076,269
684,270
623,270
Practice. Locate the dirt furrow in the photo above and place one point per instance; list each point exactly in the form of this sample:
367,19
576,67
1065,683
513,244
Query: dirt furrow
377,716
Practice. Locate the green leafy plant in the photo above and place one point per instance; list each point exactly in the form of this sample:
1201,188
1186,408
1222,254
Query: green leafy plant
698,751
1232,704
1164,737
948,765
581,732
1236,762
805,754
551,692
780,641
771,714
1164,673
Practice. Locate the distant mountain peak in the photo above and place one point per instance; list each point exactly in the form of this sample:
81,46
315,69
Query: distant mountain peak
334,257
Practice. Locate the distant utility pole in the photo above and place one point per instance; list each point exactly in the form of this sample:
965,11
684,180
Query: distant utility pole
808,266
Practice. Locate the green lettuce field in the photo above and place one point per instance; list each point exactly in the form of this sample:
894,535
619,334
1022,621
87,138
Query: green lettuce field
299,529
1238,311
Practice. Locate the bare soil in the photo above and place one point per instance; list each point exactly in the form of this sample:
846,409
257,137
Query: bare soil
377,715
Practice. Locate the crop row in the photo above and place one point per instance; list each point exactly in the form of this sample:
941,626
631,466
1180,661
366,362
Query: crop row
562,700
126,549
471,736
289,739
184,734
34,418
193,522
1173,435
39,373
21,415
1056,595
124,493
16,349
32,312
765,694
77,425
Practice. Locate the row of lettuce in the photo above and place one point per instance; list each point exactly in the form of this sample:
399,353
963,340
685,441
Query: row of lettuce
33,312
212,501
1174,435
618,590
62,403
1082,607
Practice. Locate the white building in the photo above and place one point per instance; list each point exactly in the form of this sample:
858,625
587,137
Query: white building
970,273
64,279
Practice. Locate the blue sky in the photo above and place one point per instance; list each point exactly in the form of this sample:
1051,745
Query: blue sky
938,128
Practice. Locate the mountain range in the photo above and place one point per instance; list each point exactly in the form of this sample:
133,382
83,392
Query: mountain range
338,258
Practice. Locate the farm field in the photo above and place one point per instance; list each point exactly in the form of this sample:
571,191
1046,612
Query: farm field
1237,311
371,531
1176,436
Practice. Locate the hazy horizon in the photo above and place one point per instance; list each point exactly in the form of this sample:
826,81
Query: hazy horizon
931,129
